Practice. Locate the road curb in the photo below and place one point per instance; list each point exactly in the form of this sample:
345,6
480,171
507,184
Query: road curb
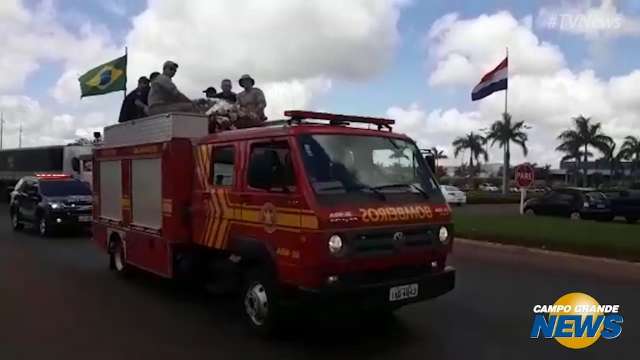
559,254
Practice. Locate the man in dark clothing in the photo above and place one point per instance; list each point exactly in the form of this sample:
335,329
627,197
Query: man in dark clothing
226,93
134,105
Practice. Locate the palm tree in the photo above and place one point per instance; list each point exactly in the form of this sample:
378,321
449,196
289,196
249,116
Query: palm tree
572,151
586,134
472,142
614,160
504,133
631,150
437,155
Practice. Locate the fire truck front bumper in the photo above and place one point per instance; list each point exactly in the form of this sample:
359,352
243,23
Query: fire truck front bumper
357,291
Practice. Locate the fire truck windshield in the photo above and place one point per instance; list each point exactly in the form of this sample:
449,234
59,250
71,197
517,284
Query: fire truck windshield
383,166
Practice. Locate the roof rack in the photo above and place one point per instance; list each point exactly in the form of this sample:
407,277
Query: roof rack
334,119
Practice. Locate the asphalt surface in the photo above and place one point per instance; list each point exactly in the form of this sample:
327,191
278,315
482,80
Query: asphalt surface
59,301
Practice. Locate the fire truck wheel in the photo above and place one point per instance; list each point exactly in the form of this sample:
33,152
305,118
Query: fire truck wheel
117,261
16,224
260,302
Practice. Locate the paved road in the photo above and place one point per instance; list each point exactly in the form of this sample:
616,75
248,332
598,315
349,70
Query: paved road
59,301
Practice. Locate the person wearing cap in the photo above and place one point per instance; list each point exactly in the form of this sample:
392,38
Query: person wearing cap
226,93
203,104
134,105
210,92
252,103
164,96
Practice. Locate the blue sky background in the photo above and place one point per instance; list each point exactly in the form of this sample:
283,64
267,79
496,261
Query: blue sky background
403,83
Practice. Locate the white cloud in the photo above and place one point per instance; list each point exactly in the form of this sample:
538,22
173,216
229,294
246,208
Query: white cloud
464,49
542,90
274,41
30,37
547,103
294,50
593,22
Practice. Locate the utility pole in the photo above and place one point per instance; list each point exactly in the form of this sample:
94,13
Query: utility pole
20,135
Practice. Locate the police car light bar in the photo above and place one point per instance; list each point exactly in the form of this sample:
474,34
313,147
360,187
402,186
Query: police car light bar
338,118
53,176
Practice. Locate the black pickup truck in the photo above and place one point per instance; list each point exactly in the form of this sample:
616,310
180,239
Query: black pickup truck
625,203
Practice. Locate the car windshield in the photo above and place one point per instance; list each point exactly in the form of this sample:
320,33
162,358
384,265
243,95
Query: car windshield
338,164
64,188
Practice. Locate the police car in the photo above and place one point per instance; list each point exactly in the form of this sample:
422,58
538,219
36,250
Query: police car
50,202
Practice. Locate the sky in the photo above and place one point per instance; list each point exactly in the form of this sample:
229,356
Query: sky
414,61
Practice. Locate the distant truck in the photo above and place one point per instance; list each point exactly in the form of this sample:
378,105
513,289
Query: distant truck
74,160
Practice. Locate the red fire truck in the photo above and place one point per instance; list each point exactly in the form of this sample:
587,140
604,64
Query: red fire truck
314,207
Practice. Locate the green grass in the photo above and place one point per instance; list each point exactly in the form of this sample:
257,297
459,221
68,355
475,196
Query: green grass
613,240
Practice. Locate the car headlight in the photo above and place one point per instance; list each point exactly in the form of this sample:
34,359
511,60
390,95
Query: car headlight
335,244
443,234
585,204
56,205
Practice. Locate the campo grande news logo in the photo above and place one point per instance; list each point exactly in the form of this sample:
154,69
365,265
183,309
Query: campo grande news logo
576,321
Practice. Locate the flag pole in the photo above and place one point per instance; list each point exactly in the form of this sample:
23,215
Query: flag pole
507,120
126,59
1,128
506,91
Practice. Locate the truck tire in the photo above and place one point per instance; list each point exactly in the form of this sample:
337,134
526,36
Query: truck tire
16,224
260,304
117,257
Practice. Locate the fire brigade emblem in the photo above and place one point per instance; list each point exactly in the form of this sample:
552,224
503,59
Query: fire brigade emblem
268,216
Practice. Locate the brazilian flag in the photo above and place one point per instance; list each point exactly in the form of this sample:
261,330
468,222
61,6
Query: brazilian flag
108,77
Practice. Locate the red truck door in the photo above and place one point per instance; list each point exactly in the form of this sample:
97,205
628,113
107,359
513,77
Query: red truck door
271,197
216,167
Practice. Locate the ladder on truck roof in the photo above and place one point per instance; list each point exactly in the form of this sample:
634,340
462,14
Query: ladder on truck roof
300,117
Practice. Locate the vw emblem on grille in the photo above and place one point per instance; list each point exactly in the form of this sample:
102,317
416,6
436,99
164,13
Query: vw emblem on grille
398,237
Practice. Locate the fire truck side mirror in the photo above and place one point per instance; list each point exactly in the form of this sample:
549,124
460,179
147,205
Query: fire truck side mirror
75,164
431,161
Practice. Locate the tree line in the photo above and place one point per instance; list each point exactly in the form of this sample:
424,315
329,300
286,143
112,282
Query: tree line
575,143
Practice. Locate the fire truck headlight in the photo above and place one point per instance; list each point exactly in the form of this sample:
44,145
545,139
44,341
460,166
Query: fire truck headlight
443,235
335,244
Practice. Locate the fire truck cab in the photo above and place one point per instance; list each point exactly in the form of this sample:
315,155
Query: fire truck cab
314,208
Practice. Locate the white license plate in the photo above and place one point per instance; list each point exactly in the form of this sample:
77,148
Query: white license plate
84,218
403,292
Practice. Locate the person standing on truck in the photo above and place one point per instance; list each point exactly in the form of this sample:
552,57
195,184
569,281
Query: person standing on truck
164,96
134,105
226,93
153,75
252,103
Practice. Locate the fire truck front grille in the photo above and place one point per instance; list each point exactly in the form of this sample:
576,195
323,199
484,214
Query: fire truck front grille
381,242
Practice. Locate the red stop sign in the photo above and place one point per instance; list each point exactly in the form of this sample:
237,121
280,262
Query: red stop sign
524,175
